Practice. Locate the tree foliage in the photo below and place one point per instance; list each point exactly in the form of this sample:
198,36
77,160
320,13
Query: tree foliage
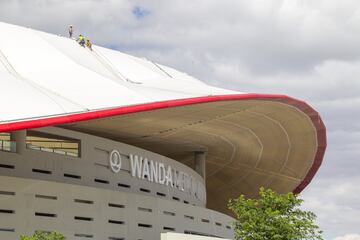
273,216
42,235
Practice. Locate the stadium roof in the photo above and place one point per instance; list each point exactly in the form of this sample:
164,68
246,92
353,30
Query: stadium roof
251,140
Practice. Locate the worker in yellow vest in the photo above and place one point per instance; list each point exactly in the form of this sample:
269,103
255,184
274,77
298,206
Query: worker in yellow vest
89,44
81,40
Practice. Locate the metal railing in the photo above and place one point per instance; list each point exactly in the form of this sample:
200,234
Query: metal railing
51,150
7,146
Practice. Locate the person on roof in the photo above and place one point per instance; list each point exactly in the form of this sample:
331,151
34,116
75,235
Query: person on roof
81,40
89,44
71,31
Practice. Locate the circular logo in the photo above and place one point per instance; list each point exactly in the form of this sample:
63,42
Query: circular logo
115,161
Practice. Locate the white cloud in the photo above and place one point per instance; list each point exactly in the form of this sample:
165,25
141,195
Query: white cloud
349,237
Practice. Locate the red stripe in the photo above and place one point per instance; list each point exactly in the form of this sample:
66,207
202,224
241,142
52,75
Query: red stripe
77,117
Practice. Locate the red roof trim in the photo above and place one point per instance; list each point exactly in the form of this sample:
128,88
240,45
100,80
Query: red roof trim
77,117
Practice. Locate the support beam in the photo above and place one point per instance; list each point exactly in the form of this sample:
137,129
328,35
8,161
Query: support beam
20,138
200,158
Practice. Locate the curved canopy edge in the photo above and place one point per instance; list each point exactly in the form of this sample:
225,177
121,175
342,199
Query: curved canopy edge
97,114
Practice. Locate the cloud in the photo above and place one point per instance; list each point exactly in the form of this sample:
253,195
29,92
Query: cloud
335,202
349,237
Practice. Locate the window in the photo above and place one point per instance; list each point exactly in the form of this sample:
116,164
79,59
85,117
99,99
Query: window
169,229
205,220
116,222
145,190
46,197
41,214
6,144
7,229
52,143
7,193
169,213
144,209
114,205
161,194
83,201
83,218
144,225
83,235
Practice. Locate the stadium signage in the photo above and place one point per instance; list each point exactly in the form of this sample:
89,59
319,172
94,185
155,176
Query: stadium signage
158,172
115,161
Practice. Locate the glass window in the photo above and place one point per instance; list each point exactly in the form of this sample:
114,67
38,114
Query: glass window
5,143
52,143
4,136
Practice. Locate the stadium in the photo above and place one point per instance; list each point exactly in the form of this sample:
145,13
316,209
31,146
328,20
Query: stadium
103,145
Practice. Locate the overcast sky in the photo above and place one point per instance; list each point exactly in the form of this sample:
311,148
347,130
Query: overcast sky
309,49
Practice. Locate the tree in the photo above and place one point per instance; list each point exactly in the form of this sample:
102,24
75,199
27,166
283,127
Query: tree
42,235
273,216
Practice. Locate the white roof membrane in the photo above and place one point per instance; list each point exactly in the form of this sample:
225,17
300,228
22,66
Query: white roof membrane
55,75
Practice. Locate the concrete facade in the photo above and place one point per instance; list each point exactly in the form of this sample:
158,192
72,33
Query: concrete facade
82,198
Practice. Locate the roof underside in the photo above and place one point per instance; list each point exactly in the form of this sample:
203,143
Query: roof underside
249,143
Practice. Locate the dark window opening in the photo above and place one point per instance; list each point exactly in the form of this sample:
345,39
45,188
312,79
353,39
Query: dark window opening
169,213
169,228
52,215
83,201
116,205
83,218
7,166
144,225
116,222
7,229
44,231
144,209
46,197
72,176
42,171
145,190
7,193
6,211
123,185
83,235
161,194
101,181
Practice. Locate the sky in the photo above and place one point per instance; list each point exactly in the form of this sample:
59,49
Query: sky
308,49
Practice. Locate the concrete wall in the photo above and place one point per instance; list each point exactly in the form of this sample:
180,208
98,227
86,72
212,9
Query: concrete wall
66,196
93,165
82,212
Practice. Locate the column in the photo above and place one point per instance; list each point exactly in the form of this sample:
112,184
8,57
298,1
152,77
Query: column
200,158
20,138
